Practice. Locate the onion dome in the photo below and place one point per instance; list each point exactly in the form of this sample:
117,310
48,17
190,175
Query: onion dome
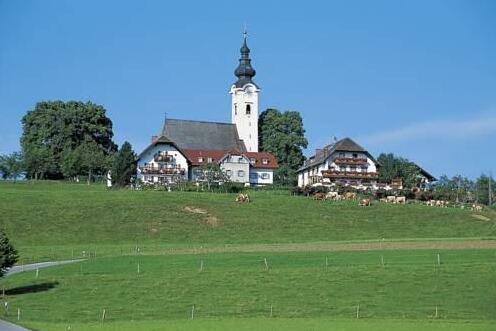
244,71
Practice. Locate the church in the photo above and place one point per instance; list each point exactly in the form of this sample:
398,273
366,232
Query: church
183,148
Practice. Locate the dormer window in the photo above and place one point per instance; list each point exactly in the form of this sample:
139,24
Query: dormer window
209,160
248,109
265,161
252,160
200,159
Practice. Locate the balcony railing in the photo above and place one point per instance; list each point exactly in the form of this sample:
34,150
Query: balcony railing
162,171
350,160
349,174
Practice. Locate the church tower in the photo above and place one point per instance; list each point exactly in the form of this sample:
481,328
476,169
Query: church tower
244,101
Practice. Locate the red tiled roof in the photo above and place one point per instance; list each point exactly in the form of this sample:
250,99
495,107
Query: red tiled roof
194,156
259,156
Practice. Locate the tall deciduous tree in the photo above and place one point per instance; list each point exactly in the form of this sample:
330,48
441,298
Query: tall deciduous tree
123,165
394,166
11,165
8,254
55,128
282,134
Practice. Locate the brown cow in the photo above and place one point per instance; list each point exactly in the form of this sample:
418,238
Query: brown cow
350,195
242,197
365,202
319,196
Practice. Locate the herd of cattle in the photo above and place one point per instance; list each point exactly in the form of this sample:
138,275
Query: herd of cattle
335,196
401,200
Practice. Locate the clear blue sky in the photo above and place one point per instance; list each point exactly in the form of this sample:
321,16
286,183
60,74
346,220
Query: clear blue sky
417,78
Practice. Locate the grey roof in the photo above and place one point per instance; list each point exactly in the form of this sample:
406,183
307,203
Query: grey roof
343,145
188,134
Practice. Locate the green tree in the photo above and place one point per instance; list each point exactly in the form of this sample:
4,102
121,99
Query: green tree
482,189
11,165
72,163
123,165
54,128
283,135
394,166
93,159
211,174
8,254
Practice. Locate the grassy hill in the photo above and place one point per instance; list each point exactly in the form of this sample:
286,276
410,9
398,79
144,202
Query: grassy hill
397,282
57,220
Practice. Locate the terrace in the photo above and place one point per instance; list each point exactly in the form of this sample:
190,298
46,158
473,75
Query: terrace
349,174
148,170
351,160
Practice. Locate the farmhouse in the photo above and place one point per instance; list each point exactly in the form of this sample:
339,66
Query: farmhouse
342,162
183,148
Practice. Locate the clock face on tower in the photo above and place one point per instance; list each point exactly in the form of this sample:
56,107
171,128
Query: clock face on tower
249,90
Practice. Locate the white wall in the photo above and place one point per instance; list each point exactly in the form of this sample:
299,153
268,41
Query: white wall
147,159
247,125
257,174
236,164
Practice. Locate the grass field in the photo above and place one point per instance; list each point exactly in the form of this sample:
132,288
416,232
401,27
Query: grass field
57,220
324,260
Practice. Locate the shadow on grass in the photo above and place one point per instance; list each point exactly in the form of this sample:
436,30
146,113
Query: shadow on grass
35,288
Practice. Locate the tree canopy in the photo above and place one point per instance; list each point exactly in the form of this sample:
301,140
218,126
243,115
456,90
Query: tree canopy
53,132
123,165
283,135
8,254
11,165
393,166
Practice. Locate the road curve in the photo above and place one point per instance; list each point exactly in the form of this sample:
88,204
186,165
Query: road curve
28,267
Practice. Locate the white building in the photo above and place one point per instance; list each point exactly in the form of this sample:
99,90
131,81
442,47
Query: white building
343,162
183,146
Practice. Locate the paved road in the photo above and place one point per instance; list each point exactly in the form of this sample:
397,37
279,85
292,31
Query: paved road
28,267
6,326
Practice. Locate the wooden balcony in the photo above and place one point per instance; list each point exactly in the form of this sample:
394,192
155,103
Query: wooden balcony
162,171
163,158
349,174
351,160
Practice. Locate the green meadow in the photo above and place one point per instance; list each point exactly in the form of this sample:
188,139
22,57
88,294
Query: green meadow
148,265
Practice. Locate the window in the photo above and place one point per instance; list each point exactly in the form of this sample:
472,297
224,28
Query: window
209,160
228,173
353,168
240,159
235,109
355,155
241,173
265,161
253,175
341,154
200,159
265,175
248,109
342,168
252,160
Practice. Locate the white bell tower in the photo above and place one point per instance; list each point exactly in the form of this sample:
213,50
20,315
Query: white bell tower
244,101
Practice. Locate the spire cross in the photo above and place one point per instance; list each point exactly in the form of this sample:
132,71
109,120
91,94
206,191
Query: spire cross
245,33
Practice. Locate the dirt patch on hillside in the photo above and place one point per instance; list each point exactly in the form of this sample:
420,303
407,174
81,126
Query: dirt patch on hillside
195,210
481,217
334,247
209,219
